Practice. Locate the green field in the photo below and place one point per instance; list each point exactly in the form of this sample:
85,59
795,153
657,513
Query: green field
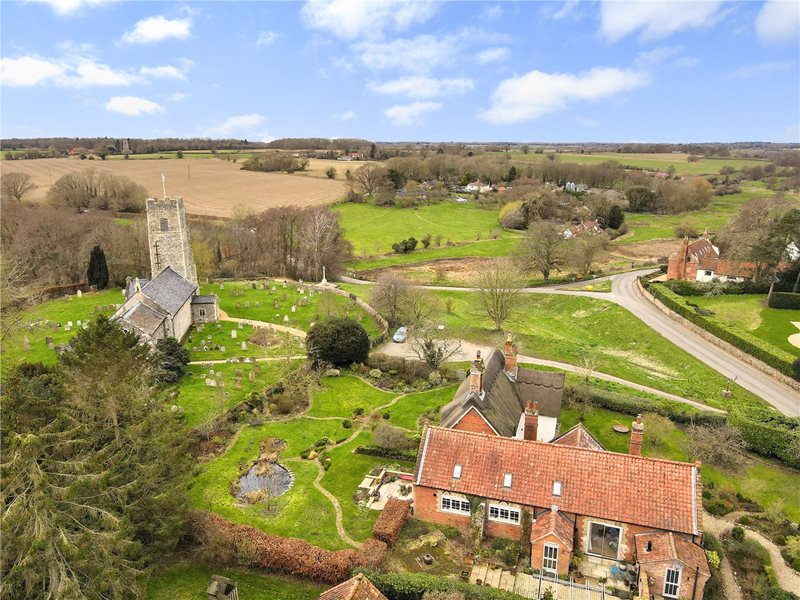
750,313
238,299
189,581
373,229
340,396
704,166
59,310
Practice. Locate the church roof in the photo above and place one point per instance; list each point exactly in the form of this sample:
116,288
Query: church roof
144,317
169,290
205,299
504,400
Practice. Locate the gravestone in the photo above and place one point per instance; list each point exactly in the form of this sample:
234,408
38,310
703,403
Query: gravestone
96,308
258,304
257,370
210,372
221,382
211,382
274,289
222,349
238,374
241,325
233,334
247,304
294,308
244,345
253,285
238,305
219,325
237,384
275,303
26,343
69,323
252,375
85,326
79,293
285,318
222,286
79,323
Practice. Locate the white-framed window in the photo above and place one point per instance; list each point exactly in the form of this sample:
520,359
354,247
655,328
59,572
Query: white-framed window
503,513
556,488
604,540
455,505
457,472
672,583
550,558
507,480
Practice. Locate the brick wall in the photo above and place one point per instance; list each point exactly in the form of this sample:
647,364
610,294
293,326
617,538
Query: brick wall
537,554
426,508
499,529
473,421
657,571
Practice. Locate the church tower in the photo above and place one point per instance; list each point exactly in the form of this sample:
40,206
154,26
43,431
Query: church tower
168,238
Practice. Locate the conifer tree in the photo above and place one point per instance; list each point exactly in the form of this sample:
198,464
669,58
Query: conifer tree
97,273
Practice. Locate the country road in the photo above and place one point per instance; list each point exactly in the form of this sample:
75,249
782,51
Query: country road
625,292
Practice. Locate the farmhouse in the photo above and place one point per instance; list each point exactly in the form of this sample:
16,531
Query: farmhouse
478,186
621,513
500,398
700,261
583,228
168,304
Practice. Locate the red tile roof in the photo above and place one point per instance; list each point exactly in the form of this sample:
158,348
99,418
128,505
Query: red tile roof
621,487
553,523
355,588
666,546
578,436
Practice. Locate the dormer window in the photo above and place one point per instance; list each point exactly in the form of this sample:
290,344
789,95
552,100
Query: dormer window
556,488
457,472
507,480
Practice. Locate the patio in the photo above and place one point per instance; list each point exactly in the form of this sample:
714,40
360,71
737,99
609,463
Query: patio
386,484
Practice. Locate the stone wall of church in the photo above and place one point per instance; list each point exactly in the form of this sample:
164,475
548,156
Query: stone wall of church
168,237
182,321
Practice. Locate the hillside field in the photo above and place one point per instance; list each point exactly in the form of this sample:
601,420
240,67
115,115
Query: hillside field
209,187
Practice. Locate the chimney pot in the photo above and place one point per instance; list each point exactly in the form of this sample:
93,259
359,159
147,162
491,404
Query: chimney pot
637,436
531,427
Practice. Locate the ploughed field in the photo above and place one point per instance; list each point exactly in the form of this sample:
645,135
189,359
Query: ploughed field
209,187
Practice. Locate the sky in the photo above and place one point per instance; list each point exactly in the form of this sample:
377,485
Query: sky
392,70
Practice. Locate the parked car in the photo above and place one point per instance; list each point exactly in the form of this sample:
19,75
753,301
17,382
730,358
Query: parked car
461,200
400,335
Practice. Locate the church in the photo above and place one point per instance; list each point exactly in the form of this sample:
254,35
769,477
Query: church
167,305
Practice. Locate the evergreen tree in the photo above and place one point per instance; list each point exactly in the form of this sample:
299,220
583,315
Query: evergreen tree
97,273
172,360
94,470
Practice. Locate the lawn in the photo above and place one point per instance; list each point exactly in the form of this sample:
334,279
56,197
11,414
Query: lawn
749,312
407,410
704,166
217,338
767,482
248,300
373,229
573,329
201,402
184,581
59,310
340,396
302,512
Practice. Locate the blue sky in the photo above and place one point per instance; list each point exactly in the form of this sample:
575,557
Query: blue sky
678,71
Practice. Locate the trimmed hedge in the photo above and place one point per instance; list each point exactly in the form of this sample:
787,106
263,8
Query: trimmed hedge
784,300
694,288
756,347
769,433
412,586
391,521
394,454
254,548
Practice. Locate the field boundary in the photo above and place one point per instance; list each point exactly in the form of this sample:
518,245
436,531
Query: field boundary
720,343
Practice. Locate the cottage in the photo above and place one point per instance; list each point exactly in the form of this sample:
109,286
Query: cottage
622,512
478,186
700,261
583,228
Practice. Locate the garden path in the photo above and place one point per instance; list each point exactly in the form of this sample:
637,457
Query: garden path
259,359
223,316
788,578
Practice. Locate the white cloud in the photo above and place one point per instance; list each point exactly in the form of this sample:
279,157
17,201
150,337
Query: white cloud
347,115
176,97
74,69
586,122
420,53
239,126
67,7
421,87
352,19
28,71
491,55
157,29
655,19
535,93
492,12
410,114
163,72
750,71
778,21
266,38
133,106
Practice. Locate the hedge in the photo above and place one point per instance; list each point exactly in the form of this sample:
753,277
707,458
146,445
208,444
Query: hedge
784,300
694,288
764,351
394,454
254,548
769,433
412,586
391,521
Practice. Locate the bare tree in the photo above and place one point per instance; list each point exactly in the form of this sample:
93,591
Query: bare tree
16,185
588,363
585,251
433,348
719,445
389,295
542,249
15,293
367,178
417,305
498,291
322,242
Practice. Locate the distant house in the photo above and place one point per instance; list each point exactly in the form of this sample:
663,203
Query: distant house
583,228
700,261
575,187
478,186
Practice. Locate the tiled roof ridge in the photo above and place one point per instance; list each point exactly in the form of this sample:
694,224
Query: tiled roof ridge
562,446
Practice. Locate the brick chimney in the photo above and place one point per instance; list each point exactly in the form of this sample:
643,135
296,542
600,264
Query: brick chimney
531,421
510,356
637,436
476,375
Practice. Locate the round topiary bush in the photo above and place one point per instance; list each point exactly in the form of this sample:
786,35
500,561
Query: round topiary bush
339,342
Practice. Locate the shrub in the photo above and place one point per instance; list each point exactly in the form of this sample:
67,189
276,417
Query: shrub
347,424
737,533
412,586
784,300
391,438
339,342
408,455
173,359
391,521
254,548
686,229
405,246
512,215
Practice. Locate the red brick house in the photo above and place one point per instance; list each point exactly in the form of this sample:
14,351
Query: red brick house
700,261
494,398
355,588
583,228
619,511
